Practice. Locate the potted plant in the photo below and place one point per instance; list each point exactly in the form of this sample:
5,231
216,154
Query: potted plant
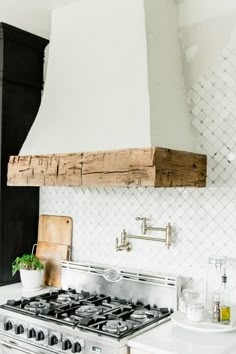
31,271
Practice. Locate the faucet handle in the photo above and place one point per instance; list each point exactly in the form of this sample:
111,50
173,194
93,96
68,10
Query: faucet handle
123,234
139,218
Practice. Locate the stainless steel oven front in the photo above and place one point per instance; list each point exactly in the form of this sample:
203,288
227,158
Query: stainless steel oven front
20,338
15,346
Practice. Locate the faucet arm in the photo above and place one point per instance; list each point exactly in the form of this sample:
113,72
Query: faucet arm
144,226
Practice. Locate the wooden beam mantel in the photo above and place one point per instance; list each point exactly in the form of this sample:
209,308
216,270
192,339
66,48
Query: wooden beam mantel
157,167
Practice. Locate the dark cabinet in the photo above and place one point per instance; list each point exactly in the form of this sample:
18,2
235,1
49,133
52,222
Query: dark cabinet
21,81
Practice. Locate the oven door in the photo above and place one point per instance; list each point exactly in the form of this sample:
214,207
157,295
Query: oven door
7,348
15,346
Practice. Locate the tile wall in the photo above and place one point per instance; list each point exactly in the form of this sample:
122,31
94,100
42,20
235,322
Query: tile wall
204,220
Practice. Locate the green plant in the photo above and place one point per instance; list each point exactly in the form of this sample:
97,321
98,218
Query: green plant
28,262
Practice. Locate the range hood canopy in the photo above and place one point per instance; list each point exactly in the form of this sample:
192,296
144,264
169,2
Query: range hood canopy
114,85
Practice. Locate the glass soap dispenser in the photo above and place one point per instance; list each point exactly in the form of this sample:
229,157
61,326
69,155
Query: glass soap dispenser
225,301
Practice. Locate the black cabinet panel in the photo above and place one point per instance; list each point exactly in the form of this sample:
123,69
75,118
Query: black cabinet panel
19,228
21,81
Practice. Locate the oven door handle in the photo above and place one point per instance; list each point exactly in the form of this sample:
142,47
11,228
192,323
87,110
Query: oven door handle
17,347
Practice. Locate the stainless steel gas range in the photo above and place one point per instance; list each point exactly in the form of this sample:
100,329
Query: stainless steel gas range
97,311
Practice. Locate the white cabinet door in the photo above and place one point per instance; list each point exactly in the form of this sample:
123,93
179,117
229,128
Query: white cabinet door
138,351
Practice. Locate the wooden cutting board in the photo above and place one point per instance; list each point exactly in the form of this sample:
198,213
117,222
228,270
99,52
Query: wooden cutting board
51,254
55,229
54,245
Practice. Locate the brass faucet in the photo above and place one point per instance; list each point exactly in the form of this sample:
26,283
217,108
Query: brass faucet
125,245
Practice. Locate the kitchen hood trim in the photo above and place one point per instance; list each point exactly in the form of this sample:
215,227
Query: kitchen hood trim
146,167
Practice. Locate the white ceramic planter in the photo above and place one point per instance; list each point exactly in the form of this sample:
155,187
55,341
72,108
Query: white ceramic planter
31,279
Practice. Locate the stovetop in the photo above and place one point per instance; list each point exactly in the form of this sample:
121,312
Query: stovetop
100,313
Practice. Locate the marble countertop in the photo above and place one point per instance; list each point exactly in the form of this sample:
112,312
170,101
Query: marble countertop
16,291
170,339
157,340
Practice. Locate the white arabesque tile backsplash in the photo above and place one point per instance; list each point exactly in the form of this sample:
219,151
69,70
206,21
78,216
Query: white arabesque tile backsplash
203,220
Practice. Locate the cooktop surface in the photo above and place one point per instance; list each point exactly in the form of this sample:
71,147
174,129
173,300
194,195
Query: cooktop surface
100,313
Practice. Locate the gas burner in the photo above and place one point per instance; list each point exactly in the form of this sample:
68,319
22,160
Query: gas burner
139,314
71,296
142,314
38,307
79,296
64,298
115,326
87,310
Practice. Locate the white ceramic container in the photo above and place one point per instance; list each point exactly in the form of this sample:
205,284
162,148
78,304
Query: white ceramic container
195,311
31,279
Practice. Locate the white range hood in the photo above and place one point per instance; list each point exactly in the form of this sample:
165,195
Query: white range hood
113,112
114,80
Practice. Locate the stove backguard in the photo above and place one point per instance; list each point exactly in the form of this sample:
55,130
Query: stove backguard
146,287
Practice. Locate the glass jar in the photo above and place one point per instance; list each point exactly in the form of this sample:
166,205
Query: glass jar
188,295
215,271
195,311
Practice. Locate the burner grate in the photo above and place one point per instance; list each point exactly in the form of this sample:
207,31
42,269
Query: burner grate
92,312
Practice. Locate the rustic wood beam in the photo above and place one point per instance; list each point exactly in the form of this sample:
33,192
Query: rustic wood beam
180,168
157,167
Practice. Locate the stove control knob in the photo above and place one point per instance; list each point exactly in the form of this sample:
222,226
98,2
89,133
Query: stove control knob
8,325
31,333
40,335
76,347
66,344
19,329
53,339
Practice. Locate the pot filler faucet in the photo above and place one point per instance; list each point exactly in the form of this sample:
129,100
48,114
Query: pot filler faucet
125,245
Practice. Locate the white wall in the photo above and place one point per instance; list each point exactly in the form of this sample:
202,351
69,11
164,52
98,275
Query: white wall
206,26
33,16
196,11
30,15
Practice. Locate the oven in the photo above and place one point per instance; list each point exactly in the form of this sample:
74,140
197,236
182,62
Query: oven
91,313
15,346
68,340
